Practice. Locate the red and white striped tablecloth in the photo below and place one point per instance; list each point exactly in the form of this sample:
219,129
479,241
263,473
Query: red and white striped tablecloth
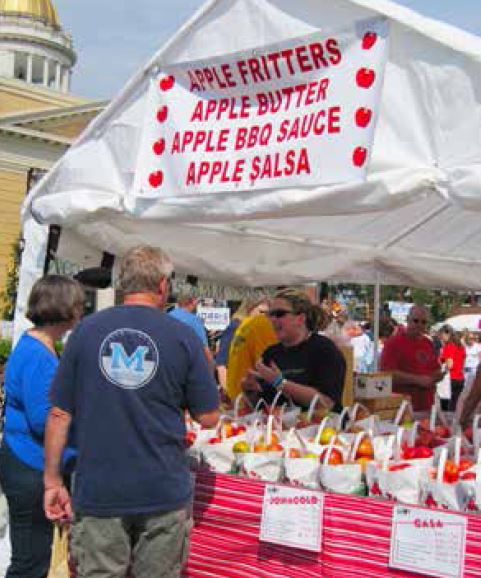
355,536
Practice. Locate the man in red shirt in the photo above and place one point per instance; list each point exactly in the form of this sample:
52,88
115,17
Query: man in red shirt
410,356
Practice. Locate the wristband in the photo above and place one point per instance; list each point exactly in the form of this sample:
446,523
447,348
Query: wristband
277,381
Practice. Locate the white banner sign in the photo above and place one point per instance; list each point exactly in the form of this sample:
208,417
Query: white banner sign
214,318
300,112
428,542
292,517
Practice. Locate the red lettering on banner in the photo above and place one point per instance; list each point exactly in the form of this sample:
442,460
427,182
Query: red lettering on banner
211,77
249,137
283,99
215,172
222,108
205,141
276,165
317,123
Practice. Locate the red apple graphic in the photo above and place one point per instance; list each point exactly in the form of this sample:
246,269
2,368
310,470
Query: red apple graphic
155,179
359,156
365,77
368,40
166,83
159,146
162,114
363,116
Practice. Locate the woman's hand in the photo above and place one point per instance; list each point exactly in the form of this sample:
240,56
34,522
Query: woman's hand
269,373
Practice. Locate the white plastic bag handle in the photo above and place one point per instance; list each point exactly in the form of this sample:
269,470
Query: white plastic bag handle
322,425
457,450
476,436
432,416
237,403
443,456
260,403
312,407
400,412
355,445
341,417
414,433
399,439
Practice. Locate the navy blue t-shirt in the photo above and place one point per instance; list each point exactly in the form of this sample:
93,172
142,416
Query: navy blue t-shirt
126,375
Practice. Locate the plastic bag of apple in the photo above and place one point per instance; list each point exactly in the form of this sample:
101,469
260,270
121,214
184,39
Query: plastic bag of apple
260,455
453,484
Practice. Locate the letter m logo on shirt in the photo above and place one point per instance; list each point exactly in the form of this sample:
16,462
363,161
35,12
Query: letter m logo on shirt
135,362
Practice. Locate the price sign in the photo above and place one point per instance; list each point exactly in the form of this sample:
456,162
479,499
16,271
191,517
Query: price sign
428,542
292,517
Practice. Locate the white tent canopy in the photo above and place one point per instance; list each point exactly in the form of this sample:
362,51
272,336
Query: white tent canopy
415,220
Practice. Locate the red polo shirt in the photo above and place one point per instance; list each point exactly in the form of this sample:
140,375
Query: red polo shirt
411,355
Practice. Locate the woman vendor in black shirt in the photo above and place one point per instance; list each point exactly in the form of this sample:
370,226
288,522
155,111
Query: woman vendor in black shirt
303,363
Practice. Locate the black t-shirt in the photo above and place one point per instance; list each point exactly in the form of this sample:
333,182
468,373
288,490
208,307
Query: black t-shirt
316,362
126,376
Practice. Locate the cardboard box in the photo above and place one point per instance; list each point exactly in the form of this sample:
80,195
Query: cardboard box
375,404
373,385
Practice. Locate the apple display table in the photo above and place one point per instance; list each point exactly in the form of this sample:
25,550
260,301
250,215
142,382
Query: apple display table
355,536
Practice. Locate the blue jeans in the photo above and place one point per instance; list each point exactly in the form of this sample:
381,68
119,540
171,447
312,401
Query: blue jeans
30,531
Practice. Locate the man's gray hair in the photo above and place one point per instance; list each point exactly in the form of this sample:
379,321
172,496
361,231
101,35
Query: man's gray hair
141,270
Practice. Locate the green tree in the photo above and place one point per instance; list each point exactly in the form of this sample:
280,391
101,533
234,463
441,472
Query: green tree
8,297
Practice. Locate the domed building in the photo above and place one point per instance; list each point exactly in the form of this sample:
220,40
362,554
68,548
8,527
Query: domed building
33,46
39,118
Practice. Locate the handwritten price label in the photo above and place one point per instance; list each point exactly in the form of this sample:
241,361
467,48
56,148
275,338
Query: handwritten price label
427,542
292,517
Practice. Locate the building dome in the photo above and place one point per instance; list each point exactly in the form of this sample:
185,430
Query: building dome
33,46
36,9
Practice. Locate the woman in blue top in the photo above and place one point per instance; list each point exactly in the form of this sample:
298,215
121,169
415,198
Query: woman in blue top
55,305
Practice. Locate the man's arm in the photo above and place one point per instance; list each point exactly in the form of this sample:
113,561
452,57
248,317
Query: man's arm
424,381
208,420
57,503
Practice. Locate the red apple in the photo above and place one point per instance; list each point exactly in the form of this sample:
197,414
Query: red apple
166,83
359,156
363,116
397,467
155,179
423,452
365,77
190,437
162,114
159,146
368,40
442,431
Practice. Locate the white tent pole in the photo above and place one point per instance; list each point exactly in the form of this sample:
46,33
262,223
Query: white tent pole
377,299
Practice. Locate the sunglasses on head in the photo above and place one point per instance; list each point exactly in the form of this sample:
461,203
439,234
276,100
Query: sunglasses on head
278,313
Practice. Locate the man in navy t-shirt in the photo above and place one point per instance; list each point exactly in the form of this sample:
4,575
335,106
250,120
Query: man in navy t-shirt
124,380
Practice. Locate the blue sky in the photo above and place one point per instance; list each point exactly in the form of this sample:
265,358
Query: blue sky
114,39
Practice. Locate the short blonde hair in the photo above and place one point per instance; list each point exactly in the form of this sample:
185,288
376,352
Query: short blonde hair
141,270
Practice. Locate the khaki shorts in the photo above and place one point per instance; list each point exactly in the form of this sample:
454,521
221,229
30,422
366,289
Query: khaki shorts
155,546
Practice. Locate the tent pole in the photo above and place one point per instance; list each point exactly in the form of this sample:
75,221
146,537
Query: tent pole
377,299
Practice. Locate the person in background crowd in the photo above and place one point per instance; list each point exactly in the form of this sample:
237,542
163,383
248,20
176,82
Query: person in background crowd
409,355
303,363
252,337
126,378
185,312
473,356
453,355
248,307
437,342
362,348
54,306
469,402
